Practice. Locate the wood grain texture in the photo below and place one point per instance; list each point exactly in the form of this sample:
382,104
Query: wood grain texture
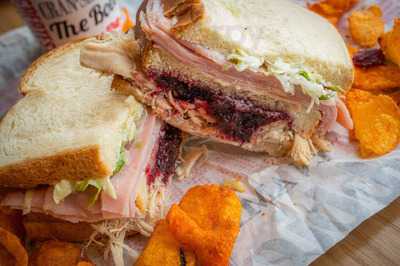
375,242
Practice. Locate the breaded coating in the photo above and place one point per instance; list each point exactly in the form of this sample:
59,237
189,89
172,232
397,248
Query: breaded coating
366,26
332,10
12,249
390,43
207,221
377,78
11,220
376,122
57,253
163,249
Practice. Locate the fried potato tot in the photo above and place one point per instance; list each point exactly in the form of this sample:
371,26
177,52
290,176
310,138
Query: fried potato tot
84,263
332,10
207,221
352,49
390,43
6,259
376,122
163,249
384,77
366,26
327,11
12,249
343,5
395,96
11,220
56,253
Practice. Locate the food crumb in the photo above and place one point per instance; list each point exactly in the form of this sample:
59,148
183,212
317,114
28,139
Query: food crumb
235,184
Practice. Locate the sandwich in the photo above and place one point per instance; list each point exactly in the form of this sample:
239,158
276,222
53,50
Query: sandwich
80,159
265,75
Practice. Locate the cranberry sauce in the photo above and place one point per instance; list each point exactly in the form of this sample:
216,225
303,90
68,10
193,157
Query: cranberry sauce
369,58
166,156
237,117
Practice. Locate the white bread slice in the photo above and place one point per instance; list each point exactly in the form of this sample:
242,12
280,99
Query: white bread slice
272,29
69,125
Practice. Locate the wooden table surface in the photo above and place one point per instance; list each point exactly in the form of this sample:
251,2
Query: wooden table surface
375,242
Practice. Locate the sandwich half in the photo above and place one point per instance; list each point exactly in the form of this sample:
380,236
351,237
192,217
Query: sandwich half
83,157
265,75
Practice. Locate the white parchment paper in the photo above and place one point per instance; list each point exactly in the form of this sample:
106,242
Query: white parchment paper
290,216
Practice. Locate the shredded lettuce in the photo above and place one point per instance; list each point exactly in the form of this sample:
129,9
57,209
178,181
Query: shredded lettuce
242,61
64,188
121,161
311,83
305,75
334,88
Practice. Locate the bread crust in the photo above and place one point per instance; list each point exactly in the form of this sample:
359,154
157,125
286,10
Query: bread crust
77,164
23,86
271,30
86,161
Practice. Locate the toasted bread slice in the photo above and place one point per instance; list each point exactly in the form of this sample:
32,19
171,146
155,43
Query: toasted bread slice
69,125
269,29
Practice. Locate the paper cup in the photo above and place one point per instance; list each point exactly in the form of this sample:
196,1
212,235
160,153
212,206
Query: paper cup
55,22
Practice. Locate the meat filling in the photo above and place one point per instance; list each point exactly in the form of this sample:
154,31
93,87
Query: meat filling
236,117
166,155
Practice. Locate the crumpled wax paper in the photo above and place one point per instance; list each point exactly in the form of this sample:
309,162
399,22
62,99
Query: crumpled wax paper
290,216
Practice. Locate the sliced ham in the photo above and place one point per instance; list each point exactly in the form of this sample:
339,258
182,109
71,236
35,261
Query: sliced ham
329,114
125,182
75,207
216,67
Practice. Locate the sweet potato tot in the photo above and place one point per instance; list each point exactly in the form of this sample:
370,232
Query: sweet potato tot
332,10
384,77
12,249
56,253
207,221
163,249
376,122
366,26
390,43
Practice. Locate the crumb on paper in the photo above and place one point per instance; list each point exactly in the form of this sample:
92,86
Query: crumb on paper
235,184
189,159
322,144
